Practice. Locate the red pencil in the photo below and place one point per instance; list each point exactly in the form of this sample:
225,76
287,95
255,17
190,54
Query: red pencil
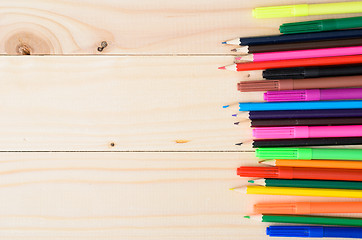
301,173
323,61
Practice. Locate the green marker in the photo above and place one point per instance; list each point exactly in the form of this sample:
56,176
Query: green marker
302,183
302,219
309,153
321,25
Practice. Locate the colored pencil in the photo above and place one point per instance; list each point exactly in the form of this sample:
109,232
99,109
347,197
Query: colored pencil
300,84
315,164
323,113
311,192
301,173
306,122
298,46
309,153
307,132
307,219
271,106
308,9
312,72
314,232
305,62
299,54
308,207
321,25
302,183
301,37
313,95
305,142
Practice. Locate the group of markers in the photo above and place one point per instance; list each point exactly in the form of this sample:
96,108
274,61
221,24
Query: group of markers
312,80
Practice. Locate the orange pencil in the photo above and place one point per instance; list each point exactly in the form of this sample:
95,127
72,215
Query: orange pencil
308,207
314,163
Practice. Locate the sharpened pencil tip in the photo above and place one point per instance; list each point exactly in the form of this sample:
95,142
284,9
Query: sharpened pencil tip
224,42
232,189
222,68
238,144
248,217
234,115
238,58
236,123
226,106
251,181
233,50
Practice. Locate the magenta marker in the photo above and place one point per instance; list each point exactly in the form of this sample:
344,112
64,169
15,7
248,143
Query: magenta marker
313,95
307,132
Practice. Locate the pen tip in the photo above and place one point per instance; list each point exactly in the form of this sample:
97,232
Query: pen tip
233,50
232,189
236,123
222,68
251,181
248,217
226,106
224,42
238,144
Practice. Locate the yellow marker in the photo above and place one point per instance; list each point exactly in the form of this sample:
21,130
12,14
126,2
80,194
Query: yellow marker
307,9
312,192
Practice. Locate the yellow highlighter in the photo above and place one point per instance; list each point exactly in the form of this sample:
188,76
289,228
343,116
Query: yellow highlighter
307,9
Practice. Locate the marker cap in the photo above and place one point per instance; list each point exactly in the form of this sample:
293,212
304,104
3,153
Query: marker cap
281,11
295,231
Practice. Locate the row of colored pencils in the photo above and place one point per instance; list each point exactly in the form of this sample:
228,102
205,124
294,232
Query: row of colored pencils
312,79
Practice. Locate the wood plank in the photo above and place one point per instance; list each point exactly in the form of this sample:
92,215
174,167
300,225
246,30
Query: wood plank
126,196
132,27
138,103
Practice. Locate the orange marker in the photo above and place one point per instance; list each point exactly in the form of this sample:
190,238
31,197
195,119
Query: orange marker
314,163
308,207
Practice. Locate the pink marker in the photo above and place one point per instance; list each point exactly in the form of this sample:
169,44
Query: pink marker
307,132
313,95
298,54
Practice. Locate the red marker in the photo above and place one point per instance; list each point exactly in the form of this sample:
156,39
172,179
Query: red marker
301,173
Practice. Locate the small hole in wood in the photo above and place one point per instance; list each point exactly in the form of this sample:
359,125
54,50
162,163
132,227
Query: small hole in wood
248,76
104,44
112,144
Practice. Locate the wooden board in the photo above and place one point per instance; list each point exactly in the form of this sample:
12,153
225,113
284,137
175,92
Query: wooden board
131,27
134,144
136,103
126,196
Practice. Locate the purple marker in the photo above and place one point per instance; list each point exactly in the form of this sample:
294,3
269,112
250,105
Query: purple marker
313,95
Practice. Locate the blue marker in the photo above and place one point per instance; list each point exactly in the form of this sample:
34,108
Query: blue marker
271,106
314,231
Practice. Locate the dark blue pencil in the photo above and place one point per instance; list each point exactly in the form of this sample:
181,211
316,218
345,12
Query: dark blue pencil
300,37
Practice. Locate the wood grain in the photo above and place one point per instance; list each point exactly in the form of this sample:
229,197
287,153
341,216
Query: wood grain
126,196
118,104
69,124
131,27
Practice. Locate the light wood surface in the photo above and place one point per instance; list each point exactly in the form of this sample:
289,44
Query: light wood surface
131,27
126,196
132,143
137,103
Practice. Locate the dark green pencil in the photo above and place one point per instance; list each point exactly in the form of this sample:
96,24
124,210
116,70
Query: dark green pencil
307,183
